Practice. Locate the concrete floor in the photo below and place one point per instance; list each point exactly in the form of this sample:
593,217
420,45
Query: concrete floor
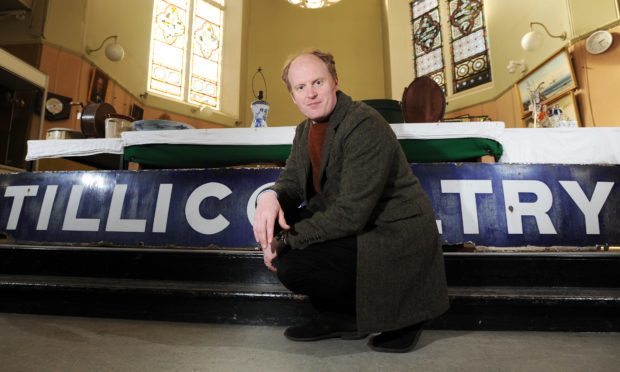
49,343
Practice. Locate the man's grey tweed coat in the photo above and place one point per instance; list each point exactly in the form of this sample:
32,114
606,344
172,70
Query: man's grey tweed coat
368,189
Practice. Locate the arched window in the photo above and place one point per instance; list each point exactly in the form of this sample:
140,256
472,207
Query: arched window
186,51
461,34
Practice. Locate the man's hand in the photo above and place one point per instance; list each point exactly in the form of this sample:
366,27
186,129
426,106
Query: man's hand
267,211
272,252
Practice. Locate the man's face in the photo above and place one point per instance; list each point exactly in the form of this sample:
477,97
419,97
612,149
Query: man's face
99,87
312,87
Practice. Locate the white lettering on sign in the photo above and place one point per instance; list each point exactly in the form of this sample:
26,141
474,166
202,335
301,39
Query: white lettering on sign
18,193
590,208
467,190
115,222
72,222
160,221
46,207
515,209
192,208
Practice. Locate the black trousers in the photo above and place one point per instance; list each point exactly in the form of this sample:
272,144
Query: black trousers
326,272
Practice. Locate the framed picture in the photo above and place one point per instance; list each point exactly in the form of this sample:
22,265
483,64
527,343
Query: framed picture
561,111
98,88
567,106
136,112
550,80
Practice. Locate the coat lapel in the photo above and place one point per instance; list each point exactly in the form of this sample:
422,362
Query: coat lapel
305,158
334,121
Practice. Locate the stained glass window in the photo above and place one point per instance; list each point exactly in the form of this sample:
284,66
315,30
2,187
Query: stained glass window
468,45
206,55
427,41
470,52
185,60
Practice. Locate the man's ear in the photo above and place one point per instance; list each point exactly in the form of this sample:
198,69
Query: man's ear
336,81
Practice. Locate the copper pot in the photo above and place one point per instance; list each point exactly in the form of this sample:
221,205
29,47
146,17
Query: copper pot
93,119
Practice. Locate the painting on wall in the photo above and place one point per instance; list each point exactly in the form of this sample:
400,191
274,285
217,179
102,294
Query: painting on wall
561,112
136,112
98,87
566,108
551,79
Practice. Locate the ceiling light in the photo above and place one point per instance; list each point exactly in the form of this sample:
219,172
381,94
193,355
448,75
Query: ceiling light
312,4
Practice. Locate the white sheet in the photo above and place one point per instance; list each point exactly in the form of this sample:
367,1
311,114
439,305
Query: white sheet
589,145
217,136
489,130
561,145
285,135
39,149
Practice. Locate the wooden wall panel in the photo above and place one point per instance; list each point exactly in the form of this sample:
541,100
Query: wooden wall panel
508,110
598,77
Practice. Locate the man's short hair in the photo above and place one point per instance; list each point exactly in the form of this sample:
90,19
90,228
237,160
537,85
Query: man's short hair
327,58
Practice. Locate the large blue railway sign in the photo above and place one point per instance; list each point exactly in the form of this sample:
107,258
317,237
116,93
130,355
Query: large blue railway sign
499,205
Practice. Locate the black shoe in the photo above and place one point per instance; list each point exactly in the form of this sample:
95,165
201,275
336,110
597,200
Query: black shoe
398,341
326,326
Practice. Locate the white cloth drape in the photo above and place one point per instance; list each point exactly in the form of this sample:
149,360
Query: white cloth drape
600,145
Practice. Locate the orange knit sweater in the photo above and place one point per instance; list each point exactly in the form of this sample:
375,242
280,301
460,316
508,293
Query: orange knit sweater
316,136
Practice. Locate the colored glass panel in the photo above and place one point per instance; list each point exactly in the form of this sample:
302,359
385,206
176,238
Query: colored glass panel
186,39
423,7
206,55
427,33
465,17
429,62
469,46
427,40
169,40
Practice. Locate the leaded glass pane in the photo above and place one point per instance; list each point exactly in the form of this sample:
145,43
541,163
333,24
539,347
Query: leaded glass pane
422,7
169,40
427,41
427,33
466,19
468,46
206,54
429,62
186,50
470,52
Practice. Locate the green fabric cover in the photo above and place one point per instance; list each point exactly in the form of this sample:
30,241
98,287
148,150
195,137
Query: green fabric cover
449,150
199,156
